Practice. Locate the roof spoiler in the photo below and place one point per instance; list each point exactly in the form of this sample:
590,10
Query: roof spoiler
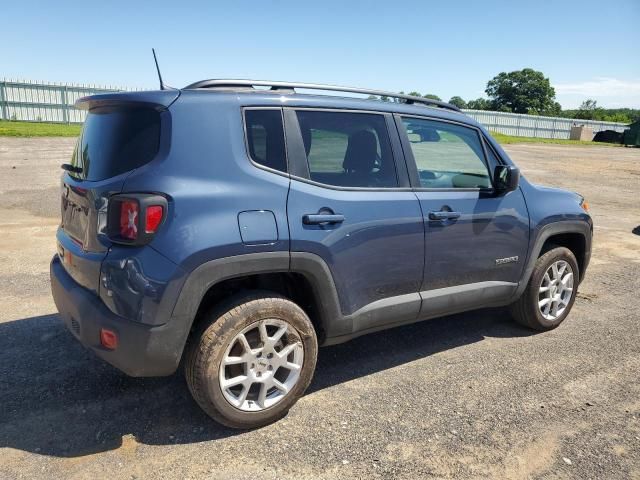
291,86
160,100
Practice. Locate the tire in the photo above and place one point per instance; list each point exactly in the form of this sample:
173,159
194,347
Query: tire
220,337
529,309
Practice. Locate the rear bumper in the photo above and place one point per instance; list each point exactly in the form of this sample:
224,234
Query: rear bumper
143,350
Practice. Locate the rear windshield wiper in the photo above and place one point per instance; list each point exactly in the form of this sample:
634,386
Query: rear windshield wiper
71,168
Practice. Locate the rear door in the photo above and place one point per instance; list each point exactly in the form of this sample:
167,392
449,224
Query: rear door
351,205
476,240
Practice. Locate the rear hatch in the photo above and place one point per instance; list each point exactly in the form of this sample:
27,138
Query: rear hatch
122,132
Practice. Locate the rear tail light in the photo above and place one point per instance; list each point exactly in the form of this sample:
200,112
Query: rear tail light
153,218
135,218
129,214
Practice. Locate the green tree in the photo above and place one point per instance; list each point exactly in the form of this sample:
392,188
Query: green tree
555,111
617,117
432,97
521,91
479,104
414,94
589,104
458,102
589,110
621,115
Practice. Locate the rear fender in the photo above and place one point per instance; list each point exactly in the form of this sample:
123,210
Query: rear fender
312,267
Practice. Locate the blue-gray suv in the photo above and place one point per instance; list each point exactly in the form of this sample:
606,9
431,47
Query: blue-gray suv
233,226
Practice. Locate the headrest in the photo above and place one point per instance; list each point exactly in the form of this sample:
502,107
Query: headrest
361,153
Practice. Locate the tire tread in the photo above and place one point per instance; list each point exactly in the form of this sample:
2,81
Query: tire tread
206,338
522,310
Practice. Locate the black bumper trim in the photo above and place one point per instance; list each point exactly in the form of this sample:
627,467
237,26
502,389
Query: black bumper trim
143,350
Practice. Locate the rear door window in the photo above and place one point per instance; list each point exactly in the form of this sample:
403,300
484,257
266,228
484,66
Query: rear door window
115,140
265,138
347,149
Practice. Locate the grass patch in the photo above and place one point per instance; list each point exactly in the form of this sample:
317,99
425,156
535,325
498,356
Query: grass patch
42,129
38,129
508,139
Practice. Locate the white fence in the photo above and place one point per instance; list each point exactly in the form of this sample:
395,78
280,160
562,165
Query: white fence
537,126
42,102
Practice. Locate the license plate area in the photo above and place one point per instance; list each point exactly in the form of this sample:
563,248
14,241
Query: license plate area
75,219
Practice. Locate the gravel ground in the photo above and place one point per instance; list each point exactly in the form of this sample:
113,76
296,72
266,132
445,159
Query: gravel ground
467,396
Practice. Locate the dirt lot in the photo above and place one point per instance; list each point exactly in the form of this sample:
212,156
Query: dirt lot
469,396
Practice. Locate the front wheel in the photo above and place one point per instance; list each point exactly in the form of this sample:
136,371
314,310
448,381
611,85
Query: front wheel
253,361
551,291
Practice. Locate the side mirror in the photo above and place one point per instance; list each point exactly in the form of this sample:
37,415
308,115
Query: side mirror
506,178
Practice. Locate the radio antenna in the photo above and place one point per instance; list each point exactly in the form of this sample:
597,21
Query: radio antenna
162,86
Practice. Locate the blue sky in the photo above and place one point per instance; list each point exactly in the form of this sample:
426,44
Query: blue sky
588,49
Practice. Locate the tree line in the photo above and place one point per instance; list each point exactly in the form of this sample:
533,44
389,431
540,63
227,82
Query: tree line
529,91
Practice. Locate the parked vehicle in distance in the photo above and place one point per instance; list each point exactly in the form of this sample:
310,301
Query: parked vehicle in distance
235,229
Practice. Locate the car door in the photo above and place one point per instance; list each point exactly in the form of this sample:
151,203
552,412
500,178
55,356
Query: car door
476,239
351,205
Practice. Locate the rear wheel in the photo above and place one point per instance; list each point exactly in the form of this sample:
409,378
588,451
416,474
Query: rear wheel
551,291
252,360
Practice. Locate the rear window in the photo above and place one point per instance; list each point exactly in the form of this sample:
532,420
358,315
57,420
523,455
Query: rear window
265,138
116,140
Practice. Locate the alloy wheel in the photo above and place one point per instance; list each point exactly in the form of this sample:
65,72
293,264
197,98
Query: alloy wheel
261,365
555,290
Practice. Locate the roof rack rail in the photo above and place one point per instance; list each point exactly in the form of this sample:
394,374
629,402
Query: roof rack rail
221,83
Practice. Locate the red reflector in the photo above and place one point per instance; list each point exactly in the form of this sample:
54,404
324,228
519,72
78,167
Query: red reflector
108,339
129,219
154,217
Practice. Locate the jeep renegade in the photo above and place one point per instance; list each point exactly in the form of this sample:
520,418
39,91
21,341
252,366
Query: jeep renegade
233,229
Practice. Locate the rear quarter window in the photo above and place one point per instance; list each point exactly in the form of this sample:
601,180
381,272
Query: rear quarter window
265,138
115,140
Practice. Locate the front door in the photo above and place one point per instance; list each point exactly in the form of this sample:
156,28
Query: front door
356,211
476,240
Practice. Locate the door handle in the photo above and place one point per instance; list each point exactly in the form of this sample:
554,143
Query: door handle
322,218
443,215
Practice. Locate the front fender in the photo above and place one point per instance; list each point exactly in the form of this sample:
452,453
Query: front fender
582,227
